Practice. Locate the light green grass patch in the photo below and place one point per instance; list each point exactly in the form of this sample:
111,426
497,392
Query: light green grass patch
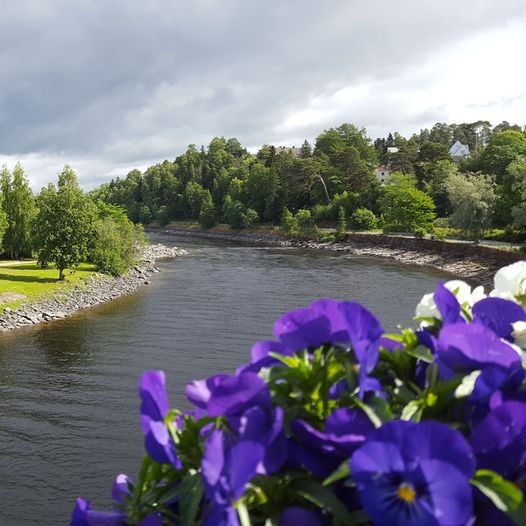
34,282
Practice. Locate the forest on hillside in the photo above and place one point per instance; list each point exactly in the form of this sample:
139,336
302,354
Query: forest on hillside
224,182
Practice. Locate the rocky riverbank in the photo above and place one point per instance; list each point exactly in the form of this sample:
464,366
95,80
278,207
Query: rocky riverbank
474,263
94,291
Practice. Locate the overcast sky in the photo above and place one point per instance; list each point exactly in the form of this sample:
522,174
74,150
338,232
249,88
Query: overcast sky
109,85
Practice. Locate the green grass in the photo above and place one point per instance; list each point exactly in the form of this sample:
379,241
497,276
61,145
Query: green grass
35,283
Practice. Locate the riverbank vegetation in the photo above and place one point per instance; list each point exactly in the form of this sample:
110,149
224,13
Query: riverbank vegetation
468,195
62,227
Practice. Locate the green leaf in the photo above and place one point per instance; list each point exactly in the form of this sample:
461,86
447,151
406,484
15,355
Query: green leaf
377,410
412,411
341,472
326,500
422,353
504,494
191,493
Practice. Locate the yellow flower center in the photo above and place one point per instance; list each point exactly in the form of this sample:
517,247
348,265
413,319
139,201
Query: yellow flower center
407,492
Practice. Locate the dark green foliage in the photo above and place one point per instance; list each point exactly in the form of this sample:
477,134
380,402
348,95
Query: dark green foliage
339,171
208,214
237,215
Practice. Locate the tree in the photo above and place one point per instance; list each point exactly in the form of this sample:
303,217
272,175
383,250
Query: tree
64,223
434,180
473,199
19,208
405,208
208,213
503,148
305,150
3,224
517,170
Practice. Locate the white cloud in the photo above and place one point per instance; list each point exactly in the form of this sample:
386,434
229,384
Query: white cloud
106,96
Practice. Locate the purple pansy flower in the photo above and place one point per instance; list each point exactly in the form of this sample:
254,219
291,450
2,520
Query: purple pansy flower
245,401
323,451
296,516
498,314
227,466
328,321
411,474
499,441
469,347
494,385
260,356
448,305
83,515
154,408
198,392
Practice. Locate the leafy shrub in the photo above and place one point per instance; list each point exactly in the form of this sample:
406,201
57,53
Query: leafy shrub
306,223
364,219
289,223
114,246
208,215
341,231
337,422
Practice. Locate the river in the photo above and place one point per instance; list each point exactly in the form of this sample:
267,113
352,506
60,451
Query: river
68,390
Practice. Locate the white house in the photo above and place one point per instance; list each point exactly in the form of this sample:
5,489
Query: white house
459,151
382,172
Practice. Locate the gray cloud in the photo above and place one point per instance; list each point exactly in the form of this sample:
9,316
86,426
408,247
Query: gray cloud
112,84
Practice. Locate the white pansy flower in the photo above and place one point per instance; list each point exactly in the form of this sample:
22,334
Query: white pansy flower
519,333
510,281
460,289
465,296
476,295
427,307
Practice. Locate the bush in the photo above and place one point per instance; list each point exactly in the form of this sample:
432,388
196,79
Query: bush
419,233
208,215
341,231
338,423
113,246
237,215
406,209
305,223
364,219
289,223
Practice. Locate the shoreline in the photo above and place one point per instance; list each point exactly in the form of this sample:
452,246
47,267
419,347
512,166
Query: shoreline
474,263
94,291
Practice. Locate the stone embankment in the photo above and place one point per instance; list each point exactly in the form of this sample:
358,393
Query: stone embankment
95,290
474,263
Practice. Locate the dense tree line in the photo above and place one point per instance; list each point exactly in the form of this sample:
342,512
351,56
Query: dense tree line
225,183
62,225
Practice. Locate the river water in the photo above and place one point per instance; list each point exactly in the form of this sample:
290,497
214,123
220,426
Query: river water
68,390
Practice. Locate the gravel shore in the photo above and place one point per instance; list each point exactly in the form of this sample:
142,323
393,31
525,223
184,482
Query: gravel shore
473,263
95,290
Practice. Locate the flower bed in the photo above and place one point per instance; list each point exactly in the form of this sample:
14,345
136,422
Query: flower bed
336,422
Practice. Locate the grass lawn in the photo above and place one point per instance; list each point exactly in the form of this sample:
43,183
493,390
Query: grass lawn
32,282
